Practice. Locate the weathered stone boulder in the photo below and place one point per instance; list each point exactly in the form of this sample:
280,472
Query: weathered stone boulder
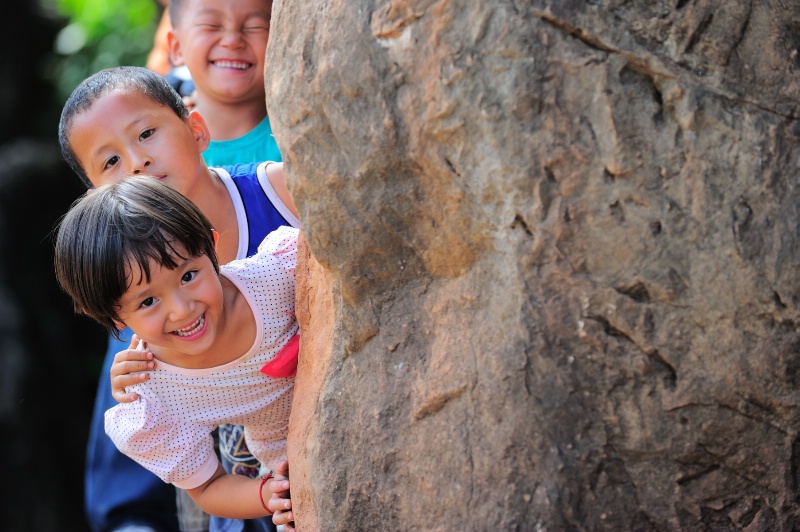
552,280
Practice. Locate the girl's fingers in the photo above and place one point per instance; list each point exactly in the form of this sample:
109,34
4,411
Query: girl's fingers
279,486
123,381
123,397
282,518
133,355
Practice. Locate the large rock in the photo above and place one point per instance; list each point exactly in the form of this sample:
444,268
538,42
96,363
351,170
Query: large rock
553,270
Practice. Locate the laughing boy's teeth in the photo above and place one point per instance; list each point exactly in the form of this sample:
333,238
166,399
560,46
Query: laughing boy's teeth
232,64
196,326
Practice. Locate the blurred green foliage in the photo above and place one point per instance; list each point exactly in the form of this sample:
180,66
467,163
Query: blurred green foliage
99,34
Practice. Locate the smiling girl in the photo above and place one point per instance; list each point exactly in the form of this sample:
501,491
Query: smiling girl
139,254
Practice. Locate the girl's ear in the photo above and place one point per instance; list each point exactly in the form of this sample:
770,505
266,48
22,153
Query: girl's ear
119,325
216,237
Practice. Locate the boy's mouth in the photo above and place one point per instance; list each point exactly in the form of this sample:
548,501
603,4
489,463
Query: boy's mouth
193,328
226,63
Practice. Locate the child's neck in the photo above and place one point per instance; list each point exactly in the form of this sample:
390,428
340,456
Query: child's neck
227,121
215,202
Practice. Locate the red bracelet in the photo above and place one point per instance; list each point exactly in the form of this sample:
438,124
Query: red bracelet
261,495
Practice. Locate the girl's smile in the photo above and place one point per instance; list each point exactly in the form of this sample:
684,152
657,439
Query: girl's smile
194,330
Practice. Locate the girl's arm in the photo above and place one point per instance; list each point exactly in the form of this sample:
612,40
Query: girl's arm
129,368
233,496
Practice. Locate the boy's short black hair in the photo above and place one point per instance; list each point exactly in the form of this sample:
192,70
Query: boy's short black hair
130,79
116,229
175,11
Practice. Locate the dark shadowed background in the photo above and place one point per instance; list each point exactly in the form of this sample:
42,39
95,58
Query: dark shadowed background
51,358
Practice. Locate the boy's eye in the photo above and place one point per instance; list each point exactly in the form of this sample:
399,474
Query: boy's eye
147,133
188,276
256,24
147,302
111,162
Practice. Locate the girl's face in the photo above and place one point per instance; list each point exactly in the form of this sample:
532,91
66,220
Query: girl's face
223,45
179,313
124,134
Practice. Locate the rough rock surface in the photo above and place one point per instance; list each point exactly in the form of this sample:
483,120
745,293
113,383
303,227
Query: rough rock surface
554,275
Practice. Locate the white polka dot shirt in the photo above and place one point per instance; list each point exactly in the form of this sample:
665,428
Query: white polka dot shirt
168,429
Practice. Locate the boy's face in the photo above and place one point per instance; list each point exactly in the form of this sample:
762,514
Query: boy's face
223,44
179,313
125,134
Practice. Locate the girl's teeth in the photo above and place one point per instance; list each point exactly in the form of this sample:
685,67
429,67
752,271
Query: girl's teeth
196,327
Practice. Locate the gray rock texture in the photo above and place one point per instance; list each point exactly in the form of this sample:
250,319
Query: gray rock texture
552,281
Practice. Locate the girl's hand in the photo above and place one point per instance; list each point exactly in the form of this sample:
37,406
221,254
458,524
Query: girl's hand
280,502
128,369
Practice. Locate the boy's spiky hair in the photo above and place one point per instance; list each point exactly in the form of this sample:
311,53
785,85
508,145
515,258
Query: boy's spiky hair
129,79
108,237
175,11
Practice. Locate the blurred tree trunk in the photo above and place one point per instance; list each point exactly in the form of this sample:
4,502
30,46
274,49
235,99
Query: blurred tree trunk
557,257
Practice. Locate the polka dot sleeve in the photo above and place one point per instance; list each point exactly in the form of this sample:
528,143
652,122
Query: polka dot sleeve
172,450
282,245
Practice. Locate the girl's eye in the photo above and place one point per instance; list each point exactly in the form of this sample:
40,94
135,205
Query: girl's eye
147,133
111,162
188,276
147,302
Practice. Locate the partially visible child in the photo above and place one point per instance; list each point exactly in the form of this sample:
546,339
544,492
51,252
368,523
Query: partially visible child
158,58
137,253
127,120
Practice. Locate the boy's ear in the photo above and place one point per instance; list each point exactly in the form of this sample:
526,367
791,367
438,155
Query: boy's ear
216,237
174,46
119,325
198,126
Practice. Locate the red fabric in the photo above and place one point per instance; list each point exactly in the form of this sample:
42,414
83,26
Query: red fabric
285,362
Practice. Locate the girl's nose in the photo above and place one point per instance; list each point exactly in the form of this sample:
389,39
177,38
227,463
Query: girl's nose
180,310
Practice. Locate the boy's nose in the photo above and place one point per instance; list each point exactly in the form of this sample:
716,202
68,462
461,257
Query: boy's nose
139,160
141,166
232,37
